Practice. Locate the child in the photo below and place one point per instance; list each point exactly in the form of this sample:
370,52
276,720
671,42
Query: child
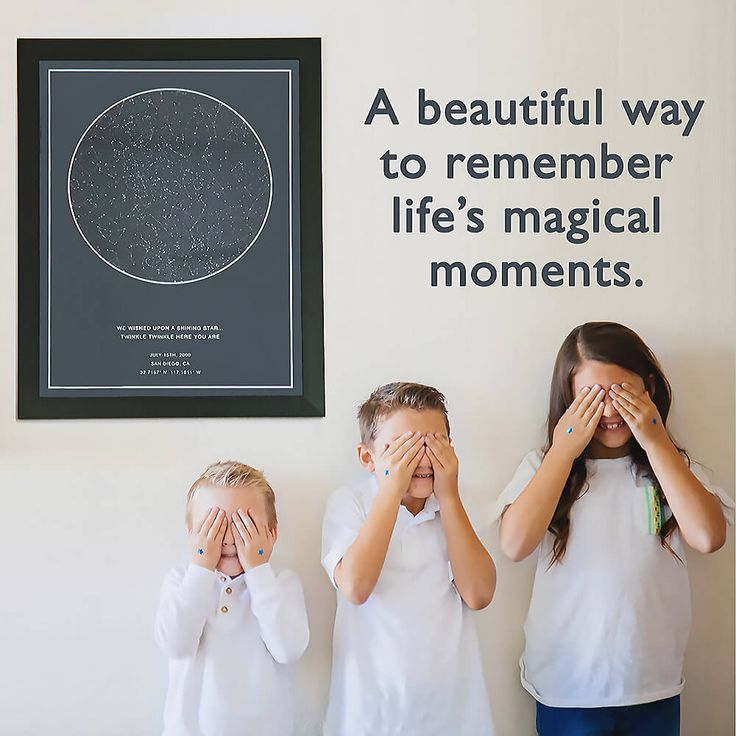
609,502
229,625
408,568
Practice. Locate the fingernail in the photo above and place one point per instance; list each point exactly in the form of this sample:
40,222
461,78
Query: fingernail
586,389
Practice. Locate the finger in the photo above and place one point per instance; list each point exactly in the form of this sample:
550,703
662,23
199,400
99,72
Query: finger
215,528
398,443
436,462
434,444
628,392
413,461
584,391
598,401
248,524
439,441
259,528
406,452
223,528
627,399
594,395
442,438
238,533
244,533
628,417
596,416
207,521
413,453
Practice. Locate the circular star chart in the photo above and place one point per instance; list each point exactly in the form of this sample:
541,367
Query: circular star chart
170,186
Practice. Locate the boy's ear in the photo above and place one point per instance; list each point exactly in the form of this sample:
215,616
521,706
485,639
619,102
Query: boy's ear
365,457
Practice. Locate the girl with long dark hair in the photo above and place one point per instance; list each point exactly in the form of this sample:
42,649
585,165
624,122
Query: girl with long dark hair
610,501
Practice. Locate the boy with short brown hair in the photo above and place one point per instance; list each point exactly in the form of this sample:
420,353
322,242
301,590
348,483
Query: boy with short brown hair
409,570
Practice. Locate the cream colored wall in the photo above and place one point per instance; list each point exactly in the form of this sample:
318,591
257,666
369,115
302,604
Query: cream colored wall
91,513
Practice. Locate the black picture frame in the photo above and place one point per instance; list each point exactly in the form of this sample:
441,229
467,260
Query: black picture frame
31,404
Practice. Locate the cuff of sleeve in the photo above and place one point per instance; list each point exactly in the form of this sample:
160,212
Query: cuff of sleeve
330,562
260,579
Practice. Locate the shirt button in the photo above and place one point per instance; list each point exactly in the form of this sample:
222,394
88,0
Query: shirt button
228,590
224,609
223,578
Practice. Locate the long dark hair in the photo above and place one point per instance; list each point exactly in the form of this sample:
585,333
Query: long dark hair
606,342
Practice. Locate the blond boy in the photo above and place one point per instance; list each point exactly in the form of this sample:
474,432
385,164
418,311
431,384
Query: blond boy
409,571
228,623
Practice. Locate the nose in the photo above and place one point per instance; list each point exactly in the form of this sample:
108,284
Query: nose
228,538
609,410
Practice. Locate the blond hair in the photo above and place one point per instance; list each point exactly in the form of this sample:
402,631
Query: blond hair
233,474
391,397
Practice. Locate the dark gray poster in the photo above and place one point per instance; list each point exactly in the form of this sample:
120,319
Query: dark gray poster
169,221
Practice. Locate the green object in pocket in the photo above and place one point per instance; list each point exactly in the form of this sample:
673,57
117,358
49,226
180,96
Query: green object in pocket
653,510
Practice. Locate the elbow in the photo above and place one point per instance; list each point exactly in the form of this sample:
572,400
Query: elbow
355,588
356,593
514,546
291,652
707,540
479,596
709,543
480,600
514,549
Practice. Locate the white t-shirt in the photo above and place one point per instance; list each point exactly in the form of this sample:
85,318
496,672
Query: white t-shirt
406,662
229,643
608,625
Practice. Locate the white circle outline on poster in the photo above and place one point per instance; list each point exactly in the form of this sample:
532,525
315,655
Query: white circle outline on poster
200,278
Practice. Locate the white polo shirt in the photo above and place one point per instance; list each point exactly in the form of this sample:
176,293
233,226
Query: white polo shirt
229,643
406,662
608,625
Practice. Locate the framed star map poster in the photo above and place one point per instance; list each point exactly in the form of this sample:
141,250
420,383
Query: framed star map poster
169,228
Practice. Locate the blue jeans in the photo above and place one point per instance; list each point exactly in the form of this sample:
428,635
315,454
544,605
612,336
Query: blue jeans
661,718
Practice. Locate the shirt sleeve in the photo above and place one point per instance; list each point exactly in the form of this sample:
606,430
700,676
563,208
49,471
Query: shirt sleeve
344,518
188,597
524,473
727,504
277,602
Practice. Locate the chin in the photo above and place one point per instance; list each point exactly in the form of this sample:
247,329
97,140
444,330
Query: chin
421,489
229,566
614,440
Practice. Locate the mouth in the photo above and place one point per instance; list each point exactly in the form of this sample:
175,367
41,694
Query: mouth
424,476
229,555
611,426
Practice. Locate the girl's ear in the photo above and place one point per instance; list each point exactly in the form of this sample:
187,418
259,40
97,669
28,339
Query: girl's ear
365,457
651,385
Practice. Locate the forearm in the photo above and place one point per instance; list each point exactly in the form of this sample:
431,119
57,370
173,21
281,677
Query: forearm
698,512
357,573
526,520
472,567
278,605
183,612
